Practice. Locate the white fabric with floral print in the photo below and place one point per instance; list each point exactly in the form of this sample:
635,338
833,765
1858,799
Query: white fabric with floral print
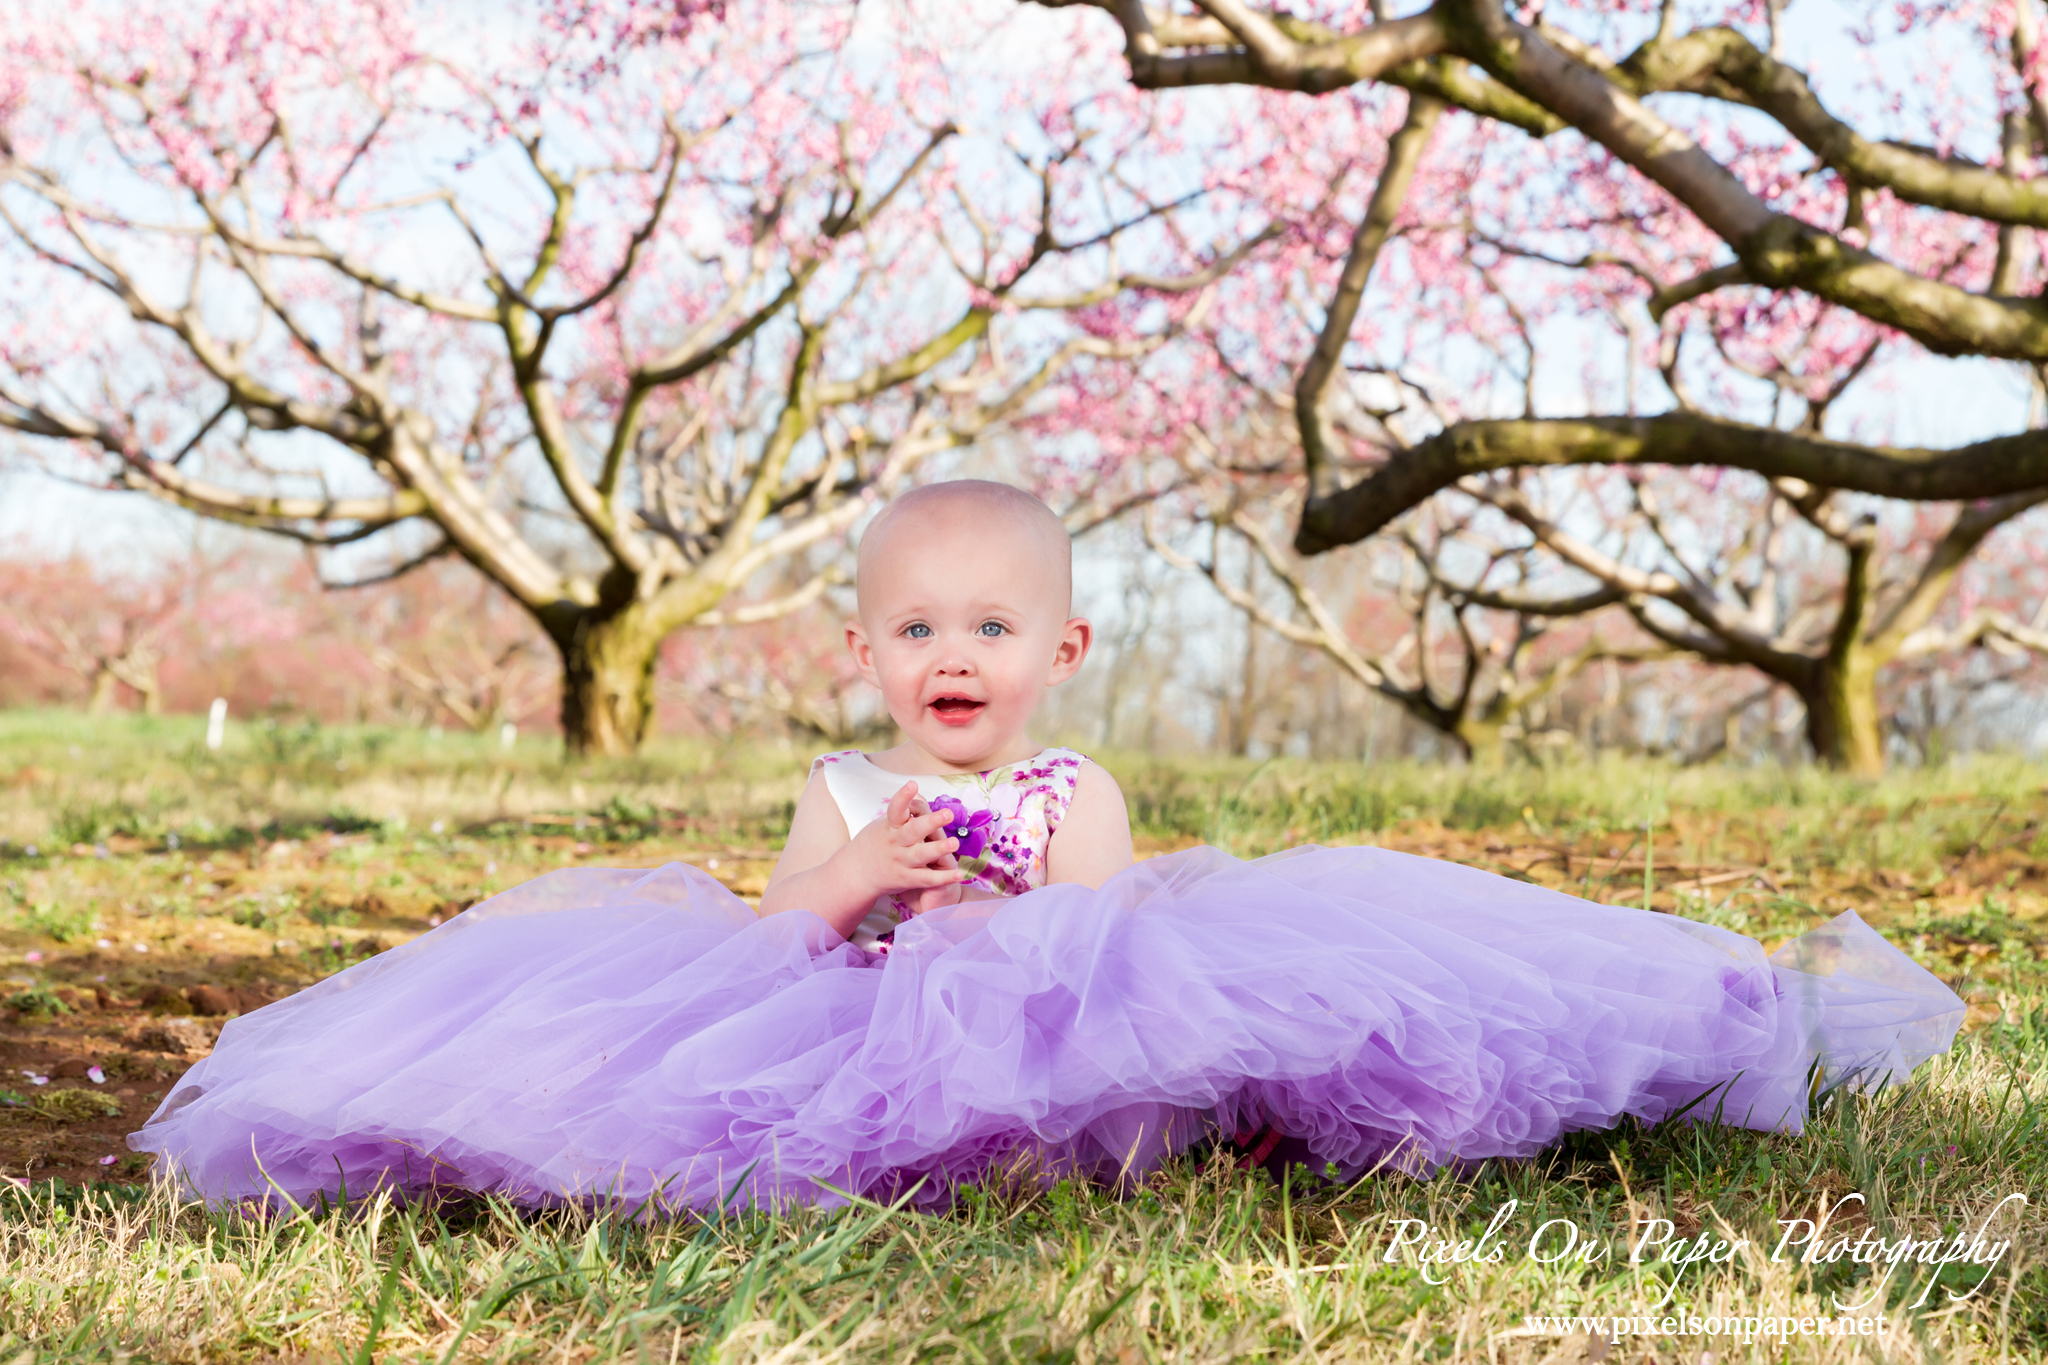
1004,819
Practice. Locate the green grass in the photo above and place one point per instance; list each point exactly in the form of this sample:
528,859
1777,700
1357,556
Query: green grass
68,779
1206,1262
61,923
78,780
1908,818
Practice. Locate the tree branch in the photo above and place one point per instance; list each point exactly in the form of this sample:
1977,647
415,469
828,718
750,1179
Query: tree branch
1311,389
1736,637
753,613
1915,607
441,546
1315,65
1983,469
1724,64
1602,102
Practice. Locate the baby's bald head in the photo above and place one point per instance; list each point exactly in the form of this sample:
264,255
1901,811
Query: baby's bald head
965,594
990,510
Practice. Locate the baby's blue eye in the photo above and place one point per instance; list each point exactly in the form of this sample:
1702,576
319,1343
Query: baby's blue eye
919,631
993,629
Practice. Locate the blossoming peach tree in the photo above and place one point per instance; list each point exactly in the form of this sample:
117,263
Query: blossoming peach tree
628,306
1639,243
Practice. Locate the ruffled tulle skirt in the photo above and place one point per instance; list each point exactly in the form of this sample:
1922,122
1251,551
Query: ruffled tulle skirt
611,1033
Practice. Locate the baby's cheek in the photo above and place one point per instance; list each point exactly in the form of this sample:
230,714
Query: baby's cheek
1015,694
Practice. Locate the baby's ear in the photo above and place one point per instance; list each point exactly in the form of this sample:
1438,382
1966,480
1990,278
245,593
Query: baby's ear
863,653
1075,638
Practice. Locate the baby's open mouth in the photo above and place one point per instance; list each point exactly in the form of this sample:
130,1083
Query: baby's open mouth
956,710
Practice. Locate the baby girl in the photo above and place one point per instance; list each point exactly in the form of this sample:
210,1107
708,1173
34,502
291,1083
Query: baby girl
965,594
957,965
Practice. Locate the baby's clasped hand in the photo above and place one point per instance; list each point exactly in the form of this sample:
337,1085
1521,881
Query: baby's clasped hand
907,853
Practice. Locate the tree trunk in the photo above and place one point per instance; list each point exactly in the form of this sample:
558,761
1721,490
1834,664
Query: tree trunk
102,699
1842,719
608,659
145,681
1482,741
1243,712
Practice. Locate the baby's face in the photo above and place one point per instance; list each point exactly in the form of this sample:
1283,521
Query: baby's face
963,625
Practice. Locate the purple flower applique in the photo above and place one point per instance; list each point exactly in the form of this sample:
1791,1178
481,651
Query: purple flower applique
969,827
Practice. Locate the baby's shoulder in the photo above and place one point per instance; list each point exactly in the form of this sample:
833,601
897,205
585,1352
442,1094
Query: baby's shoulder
1053,771
1068,779
1092,842
1094,786
856,782
1055,761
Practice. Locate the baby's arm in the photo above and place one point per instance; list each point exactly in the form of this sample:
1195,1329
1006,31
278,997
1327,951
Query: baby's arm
1093,842
823,870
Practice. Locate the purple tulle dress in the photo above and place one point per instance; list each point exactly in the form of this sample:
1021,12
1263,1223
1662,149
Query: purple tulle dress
643,1035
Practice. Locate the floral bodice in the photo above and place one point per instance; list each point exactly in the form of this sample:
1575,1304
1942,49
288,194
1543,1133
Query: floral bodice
1004,818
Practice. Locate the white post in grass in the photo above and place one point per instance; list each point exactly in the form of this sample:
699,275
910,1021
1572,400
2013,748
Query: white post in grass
508,735
217,724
